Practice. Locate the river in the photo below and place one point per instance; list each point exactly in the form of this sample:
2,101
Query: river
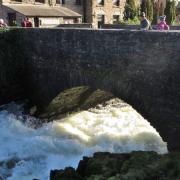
27,152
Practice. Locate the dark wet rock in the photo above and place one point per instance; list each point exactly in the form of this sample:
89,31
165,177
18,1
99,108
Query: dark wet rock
1,163
101,163
71,100
68,173
11,164
129,166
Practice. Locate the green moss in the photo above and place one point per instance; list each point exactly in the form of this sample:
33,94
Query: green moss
133,166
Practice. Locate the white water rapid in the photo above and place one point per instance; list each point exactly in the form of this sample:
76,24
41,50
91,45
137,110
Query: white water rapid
28,153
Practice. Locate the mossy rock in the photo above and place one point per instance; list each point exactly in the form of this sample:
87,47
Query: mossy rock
72,100
130,166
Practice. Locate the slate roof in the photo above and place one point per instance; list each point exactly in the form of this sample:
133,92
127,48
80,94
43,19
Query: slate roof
42,10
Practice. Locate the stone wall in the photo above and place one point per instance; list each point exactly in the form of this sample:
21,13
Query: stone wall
132,27
76,25
108,10
140,67
71,4
11,66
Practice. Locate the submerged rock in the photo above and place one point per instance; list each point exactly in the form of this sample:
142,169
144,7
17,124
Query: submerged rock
11,163
129,166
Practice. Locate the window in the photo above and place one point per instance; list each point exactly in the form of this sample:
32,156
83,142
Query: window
78,2
57,1
40,1
100,2
76,20
16,0
12,19
62,1
116,2
115,19
100,19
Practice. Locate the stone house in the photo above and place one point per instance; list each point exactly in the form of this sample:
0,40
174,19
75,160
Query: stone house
42,13
97,12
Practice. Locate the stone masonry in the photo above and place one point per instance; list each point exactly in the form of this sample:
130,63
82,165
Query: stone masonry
72,4
112,12
104,11
140,67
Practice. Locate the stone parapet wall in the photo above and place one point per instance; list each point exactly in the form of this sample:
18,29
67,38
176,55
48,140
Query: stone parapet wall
132,27
81,25
117,26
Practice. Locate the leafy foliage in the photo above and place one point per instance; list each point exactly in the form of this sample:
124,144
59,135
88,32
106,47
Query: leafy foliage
155,15
134,21
170,11
147,7
131,10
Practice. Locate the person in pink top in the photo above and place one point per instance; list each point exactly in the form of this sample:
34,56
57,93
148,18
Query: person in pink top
162,25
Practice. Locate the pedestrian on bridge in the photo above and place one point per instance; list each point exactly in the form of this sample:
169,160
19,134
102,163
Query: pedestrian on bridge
145,24
163,25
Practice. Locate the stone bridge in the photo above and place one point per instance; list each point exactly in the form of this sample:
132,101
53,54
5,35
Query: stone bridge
140,67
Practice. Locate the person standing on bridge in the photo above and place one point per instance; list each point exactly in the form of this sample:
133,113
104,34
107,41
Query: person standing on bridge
26,23
145,24
163,25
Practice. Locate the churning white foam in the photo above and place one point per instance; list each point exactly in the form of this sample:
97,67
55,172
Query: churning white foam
34,152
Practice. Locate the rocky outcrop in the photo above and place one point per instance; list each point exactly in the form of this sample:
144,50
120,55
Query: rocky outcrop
136,165
69,101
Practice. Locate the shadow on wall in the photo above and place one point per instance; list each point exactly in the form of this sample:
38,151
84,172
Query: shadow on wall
11,65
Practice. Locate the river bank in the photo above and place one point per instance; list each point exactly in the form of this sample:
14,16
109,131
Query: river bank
32,147
128,166
104,165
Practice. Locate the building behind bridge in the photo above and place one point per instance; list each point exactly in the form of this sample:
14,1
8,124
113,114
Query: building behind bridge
43,13
97,12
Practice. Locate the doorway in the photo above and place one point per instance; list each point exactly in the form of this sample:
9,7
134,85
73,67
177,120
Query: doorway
36,22
12,19
100,20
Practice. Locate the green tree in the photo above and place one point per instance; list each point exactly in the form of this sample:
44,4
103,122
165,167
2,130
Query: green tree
131,10
147,7
155,15
144,6
170,11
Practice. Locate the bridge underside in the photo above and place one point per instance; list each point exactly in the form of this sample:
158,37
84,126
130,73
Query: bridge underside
142,68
